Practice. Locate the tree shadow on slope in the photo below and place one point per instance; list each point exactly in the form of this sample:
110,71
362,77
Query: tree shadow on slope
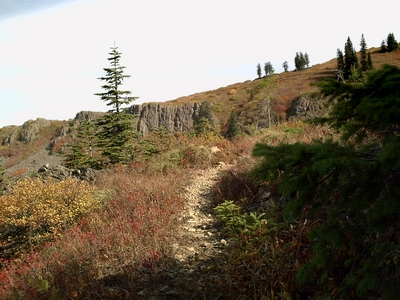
169,279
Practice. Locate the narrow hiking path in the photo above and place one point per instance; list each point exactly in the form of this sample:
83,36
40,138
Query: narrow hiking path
194,272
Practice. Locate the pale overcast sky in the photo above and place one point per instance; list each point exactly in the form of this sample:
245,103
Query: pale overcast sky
53,51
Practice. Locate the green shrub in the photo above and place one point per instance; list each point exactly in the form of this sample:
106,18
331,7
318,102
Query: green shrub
236,222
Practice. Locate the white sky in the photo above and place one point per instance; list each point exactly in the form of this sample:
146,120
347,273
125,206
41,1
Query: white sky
52,55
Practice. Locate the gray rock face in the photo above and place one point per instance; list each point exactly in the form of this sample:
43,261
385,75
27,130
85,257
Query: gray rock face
27,132
307,107
173,118
12,136
30,129
84,116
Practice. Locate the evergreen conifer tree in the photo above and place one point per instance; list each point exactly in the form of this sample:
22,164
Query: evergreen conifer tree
259,73
82,153
233,127
116,130
269,69
364,55
205,111
285,66
350,58
113,81
297,62
306,60
301,61
116,138
392,44
204,121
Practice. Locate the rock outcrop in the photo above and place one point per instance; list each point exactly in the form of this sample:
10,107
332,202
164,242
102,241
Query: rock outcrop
84,116
307,106
27,132
61,173
173,118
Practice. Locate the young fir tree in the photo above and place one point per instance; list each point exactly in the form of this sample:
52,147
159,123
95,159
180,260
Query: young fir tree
364,55
204,121
300,61
233,126
259,73
392,44
350,58
306,60
205,111
269,69
83,153
297,62
116,130
285,66
347,192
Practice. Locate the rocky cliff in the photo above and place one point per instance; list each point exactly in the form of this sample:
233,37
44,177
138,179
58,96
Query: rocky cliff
25,133
173,118
307,106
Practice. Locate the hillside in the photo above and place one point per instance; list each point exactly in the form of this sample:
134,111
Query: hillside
293,211
289,86
40,137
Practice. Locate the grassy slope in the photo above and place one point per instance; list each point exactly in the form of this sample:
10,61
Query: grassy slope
289,86
235,96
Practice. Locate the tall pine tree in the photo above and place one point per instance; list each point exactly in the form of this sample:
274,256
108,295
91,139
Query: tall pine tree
364,55
350,58
285,66
392,44
116,130
259,73
113,80
306,60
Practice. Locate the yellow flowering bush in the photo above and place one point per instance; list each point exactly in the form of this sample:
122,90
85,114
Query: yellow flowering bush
35,209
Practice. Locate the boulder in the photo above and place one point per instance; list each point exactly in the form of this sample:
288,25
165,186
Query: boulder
61,173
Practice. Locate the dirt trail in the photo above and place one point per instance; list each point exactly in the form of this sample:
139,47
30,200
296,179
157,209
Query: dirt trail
195,273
